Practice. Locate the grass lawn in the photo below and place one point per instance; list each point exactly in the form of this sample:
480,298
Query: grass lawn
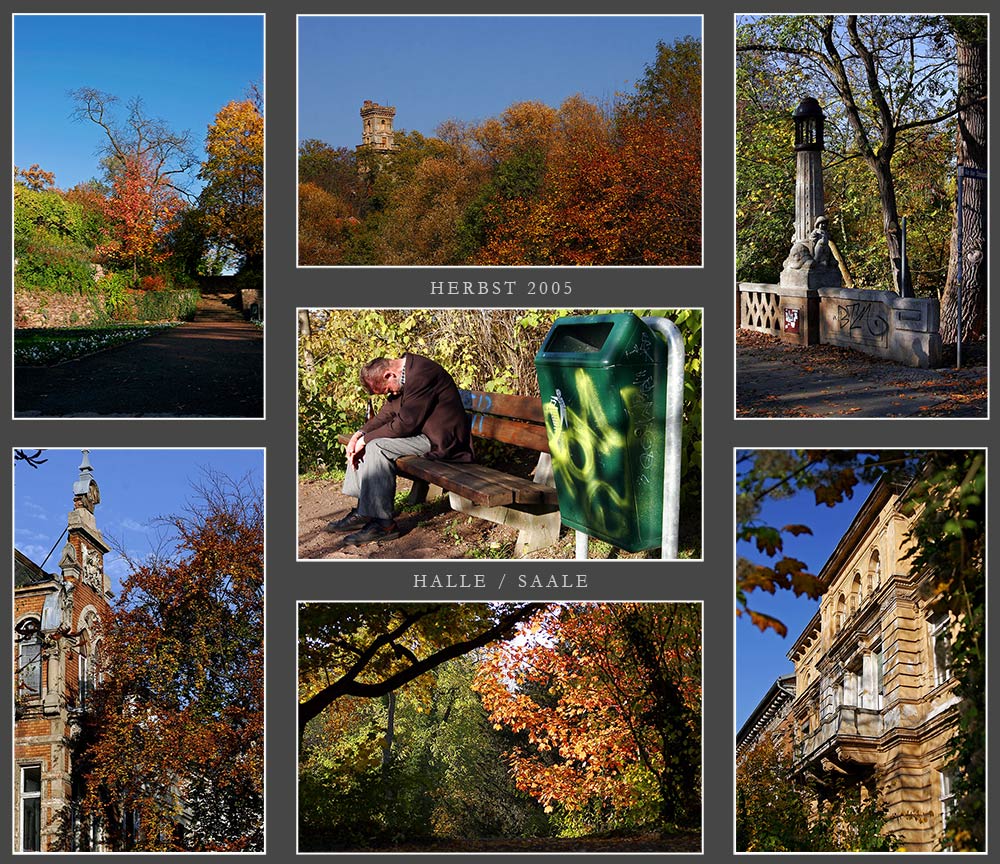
47,346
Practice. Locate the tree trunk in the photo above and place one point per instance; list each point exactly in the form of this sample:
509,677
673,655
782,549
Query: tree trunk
890,221
390,731
305,334
971,49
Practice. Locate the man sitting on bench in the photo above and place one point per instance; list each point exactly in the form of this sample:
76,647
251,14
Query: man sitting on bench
423,416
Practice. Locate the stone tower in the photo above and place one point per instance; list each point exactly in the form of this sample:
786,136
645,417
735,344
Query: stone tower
58,634
376,127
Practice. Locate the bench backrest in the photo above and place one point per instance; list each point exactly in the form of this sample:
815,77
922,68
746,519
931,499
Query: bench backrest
514,420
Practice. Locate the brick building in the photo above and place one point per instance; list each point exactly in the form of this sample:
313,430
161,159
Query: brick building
872,702
57,648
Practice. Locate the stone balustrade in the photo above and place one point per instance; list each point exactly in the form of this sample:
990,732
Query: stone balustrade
881,323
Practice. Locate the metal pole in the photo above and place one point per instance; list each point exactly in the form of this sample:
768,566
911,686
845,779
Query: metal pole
958,272
902,261
582,546
671,432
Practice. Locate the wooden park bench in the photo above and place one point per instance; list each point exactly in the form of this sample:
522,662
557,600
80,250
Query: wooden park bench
529,505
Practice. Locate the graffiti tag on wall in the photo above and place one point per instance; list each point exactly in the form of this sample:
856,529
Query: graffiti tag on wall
864,321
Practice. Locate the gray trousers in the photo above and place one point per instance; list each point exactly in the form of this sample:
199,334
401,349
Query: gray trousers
373,482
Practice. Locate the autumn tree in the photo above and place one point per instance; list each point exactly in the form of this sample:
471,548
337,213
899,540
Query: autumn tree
172,757
372,650
141,210
606,702
35,177
233,197
778,809
886,77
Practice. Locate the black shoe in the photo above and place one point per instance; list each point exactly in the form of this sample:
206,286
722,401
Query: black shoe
350,522
373,532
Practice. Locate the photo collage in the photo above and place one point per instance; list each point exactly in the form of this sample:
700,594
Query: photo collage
365,452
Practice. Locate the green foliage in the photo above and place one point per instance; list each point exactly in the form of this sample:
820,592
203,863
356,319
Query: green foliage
948,540
166,305
772,809
779,810
51,262
113,291
779,59
483,350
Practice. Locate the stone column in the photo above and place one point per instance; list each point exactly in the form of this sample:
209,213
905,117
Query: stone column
809,203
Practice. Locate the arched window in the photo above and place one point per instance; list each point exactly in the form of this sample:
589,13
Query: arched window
88,668
875,569
856,593
841,613
29,659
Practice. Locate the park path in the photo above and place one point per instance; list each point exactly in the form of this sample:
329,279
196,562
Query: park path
212,366
775,379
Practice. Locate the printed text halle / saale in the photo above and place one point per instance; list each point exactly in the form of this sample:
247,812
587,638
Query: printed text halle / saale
477,581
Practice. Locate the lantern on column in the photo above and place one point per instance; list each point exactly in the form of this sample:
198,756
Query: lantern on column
809,125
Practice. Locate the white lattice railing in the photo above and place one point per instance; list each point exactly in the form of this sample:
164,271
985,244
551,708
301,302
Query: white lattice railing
760,310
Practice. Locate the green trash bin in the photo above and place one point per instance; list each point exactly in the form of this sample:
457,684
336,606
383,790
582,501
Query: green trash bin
603,386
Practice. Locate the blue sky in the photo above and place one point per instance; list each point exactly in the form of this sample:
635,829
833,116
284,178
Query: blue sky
184,67
760,657
136,487
436,68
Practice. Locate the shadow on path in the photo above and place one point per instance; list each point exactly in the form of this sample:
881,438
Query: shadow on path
775,379
212,366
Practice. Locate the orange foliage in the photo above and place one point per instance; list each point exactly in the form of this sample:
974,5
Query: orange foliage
600,695
142,209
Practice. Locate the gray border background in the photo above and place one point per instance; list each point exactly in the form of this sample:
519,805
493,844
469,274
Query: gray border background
709,287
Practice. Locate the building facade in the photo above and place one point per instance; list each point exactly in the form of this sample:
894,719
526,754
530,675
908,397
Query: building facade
872,705
57,649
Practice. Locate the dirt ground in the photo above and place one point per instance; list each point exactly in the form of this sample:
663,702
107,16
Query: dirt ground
775,379
430,531
686,841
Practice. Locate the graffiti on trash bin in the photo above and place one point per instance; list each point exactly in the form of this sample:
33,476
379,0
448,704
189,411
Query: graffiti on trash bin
589,454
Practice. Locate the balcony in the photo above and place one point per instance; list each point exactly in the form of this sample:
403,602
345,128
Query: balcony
852,731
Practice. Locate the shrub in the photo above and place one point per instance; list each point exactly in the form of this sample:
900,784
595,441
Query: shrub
53,263
152,283
166,305
116,301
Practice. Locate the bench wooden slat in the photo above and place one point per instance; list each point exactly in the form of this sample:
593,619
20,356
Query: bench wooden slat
527,408
510,432
524,490
456,477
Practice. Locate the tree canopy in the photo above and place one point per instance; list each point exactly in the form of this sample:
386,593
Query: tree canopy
464,722
172,756
577,184
889,87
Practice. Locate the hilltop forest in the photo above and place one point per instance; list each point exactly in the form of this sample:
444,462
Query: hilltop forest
581,184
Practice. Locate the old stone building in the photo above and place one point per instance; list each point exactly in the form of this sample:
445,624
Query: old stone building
376,127
57,648
872,702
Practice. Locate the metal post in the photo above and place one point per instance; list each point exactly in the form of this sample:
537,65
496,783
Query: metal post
958,271
671,432
902,261
582,546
